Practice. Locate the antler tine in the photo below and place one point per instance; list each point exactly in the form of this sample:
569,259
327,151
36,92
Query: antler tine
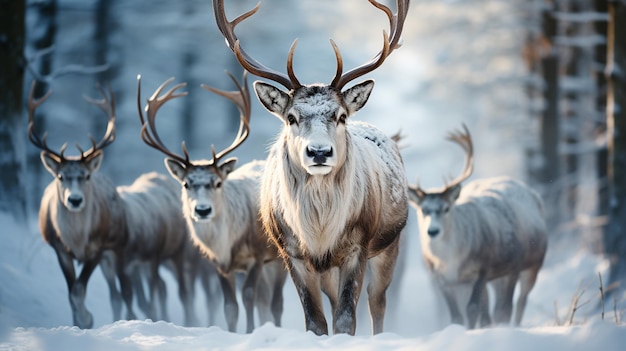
33,104
241,98
107,105
247,62
391,42
149,134
463,139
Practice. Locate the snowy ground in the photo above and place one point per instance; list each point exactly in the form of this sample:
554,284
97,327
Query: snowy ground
35,313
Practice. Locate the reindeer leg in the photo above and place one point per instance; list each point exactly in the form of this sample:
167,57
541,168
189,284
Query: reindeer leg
231,308
138,271
351,274
485,318
473,306
527,282
449,296
125,285
208,273
264,294
153,283
382,273
277,291
185,293
505,287
66,262
308,287
249,293
162,296
82,317
107,266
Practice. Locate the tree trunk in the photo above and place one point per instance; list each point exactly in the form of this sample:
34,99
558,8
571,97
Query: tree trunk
615,236
12,143
47,18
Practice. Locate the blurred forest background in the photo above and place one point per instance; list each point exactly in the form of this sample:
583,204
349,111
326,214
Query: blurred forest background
540,83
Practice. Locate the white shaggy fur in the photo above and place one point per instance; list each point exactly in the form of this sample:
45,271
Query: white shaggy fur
157,232
489,230
333,195
83,229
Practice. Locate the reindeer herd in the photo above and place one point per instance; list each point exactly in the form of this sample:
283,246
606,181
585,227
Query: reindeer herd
327,204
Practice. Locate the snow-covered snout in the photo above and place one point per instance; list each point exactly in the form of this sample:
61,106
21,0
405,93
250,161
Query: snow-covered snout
202,187
433,212
72,179
315,118
315,126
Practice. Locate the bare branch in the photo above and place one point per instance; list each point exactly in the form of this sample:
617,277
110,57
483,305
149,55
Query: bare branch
601,294
574,306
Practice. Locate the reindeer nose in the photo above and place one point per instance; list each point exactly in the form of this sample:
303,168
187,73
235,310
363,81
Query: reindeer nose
203,211
433,232
75,201
319,154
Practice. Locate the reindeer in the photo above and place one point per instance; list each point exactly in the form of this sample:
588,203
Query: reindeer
220,204
488,230
333,191
81,213
157,233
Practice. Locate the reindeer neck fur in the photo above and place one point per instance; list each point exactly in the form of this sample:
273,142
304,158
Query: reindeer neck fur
226,238
101,223
155,222
323,207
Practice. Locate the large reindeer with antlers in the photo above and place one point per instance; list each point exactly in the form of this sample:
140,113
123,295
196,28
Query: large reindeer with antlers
334,192
81,213
220,204
487,230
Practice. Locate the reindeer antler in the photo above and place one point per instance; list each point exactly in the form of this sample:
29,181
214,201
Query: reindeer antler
390,43
289,81
241,98
34,138
247,62
107,104
149,134
464,140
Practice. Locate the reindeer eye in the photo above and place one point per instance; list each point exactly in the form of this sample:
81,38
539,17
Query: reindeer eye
88,176
446,209
60,177
291,119
186,185
218,184
342,118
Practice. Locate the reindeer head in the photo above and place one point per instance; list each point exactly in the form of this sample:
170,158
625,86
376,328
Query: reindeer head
314,115
73,173
202,180
435,205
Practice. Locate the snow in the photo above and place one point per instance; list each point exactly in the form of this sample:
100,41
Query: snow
35,313
426,88
138,335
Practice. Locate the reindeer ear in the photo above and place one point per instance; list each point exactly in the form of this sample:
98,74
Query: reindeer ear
453,193
94,161
50,162
272,98
228,166
176,168
416,195
357,96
